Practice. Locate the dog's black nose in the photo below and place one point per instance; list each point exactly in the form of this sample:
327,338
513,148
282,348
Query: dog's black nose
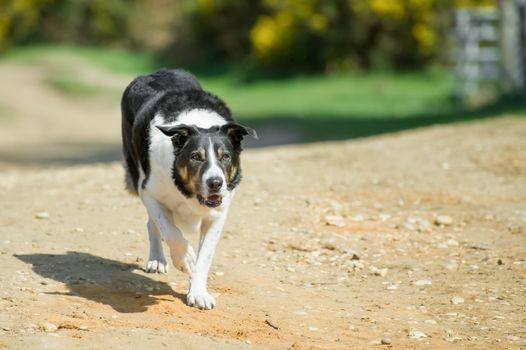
214,183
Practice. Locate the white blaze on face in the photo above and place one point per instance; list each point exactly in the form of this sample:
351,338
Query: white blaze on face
214,170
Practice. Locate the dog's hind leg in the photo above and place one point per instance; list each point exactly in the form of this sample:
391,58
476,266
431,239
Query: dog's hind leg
182,253
156,260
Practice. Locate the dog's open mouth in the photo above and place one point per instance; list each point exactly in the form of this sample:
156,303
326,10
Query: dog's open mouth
211,201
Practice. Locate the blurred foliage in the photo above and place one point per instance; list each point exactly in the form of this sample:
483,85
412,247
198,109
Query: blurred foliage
127,23
332,35
280,34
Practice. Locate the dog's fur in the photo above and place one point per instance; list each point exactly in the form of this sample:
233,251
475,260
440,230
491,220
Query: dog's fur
181,148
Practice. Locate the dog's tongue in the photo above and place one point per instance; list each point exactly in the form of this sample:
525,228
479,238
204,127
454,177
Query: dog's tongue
213,201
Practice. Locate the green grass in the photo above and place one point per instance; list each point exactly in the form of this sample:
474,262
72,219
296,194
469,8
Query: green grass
339,95
112,59
73,87
344,95
322,107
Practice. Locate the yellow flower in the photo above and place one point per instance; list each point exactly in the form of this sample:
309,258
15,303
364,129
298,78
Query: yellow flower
392,8
318,22
424,36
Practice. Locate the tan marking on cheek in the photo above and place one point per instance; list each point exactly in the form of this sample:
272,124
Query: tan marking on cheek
232,173
193,181
220,152
202,153
183,172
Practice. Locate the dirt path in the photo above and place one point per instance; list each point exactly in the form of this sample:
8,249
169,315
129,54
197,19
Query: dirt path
328,246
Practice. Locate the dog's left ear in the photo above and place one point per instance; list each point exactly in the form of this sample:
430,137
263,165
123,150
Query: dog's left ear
236,133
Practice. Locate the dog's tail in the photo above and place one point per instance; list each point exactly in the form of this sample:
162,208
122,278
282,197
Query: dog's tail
131,166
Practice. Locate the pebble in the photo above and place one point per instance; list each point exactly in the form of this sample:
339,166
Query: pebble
431,321
422,283
378,272
457,300
417,223
385,341
479,246
449,336
416,334
219,273
300,312
392,286
452,243
353,254
358,218
335,220
443,220
42,215
49,327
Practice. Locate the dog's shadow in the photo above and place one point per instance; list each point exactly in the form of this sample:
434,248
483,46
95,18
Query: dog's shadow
102,280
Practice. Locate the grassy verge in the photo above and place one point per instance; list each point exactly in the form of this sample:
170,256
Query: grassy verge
322,107
339,95
112,59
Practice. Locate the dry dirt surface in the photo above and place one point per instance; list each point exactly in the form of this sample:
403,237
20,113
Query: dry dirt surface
414,240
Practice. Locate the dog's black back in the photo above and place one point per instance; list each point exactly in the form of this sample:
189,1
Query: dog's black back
169,93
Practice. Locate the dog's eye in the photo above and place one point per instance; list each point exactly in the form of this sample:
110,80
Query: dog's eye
225,157
196,156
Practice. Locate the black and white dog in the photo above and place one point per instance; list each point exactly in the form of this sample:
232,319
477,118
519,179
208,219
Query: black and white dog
181,149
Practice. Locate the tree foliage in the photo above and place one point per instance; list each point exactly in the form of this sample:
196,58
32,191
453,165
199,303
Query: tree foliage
300,34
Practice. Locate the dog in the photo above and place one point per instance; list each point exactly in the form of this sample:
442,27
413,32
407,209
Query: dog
182,158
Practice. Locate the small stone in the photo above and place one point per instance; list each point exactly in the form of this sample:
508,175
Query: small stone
422,283
449,336
385,341
384,217
358,218
335,220
452,266
219,273
248,341
313,329
392,286
42,215
49,327
300,312
353,254
430,321
452,243
500,262
378,272
443,220
357,265
457,300
416,334
479,246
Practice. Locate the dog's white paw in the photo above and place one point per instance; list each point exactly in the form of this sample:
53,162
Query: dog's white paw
155,265
183,257
201,300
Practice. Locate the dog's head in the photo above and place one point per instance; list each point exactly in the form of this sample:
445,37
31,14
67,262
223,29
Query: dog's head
207,163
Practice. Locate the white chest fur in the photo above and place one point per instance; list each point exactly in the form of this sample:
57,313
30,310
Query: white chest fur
187,212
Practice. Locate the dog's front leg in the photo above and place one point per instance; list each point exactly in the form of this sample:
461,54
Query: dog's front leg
182,253
198,295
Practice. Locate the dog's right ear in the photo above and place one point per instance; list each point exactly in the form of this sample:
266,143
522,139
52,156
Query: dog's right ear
178,133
